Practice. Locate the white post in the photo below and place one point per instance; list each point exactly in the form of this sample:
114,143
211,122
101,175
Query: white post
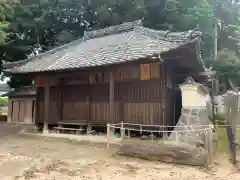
152,135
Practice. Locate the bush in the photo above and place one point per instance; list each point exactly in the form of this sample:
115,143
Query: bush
3,101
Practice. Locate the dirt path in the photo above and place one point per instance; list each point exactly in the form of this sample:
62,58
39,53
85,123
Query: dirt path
47,159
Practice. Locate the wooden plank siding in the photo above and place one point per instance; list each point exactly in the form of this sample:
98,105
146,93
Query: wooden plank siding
15,111
141,101
75,102
135,100
21,110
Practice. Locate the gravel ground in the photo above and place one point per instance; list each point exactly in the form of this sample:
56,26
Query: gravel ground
37,158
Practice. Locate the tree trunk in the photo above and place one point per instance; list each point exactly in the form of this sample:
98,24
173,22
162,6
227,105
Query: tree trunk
166,152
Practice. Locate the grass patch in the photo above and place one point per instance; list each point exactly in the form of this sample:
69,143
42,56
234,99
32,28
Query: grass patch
222,139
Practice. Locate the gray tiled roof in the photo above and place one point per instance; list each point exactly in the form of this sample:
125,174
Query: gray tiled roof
112,45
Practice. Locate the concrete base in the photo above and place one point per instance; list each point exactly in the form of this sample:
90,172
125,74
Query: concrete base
90,138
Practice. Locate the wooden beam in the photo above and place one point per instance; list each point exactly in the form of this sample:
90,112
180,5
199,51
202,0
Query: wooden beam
46,107
111,96
37,107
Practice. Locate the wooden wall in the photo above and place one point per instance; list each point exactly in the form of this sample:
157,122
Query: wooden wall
138,96
21,110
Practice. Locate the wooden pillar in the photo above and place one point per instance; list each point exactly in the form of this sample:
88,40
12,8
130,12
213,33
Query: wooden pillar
89,127
34,111
164,108
60,109
174,100
46,107
111,97
10,110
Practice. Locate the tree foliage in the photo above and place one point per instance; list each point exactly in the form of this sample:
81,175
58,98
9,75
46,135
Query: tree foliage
32,26
6,15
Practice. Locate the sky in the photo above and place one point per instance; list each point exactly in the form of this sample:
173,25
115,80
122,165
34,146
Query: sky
4,81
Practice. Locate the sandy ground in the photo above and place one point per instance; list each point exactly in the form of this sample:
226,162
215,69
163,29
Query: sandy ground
31,157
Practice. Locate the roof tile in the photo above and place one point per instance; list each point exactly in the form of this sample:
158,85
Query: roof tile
116,44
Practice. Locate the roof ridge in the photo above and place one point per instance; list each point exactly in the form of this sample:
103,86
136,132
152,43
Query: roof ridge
164,35
127,26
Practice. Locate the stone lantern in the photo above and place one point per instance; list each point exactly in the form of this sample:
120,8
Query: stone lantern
194,95
194,111
196,102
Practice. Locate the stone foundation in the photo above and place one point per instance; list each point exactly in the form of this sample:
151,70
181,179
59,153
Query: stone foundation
190,127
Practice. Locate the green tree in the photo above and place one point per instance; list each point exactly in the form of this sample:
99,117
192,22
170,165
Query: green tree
227,64
44,24
6,15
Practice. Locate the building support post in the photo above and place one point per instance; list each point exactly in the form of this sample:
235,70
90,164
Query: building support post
111,98
46,108
60,109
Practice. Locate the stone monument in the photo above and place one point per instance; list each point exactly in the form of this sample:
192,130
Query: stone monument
194,112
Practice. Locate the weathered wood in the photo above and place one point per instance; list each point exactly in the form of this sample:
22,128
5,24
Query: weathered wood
74,122
10,110
130,100
111,97
60,109
44,81
34,111
28,114
145,71
73,129
15,111
21,115
46,109
166,152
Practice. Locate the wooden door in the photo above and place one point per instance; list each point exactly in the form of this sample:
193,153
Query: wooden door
15,111
22,112
19,111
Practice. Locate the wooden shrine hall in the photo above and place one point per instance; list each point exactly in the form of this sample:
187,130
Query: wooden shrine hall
124,73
